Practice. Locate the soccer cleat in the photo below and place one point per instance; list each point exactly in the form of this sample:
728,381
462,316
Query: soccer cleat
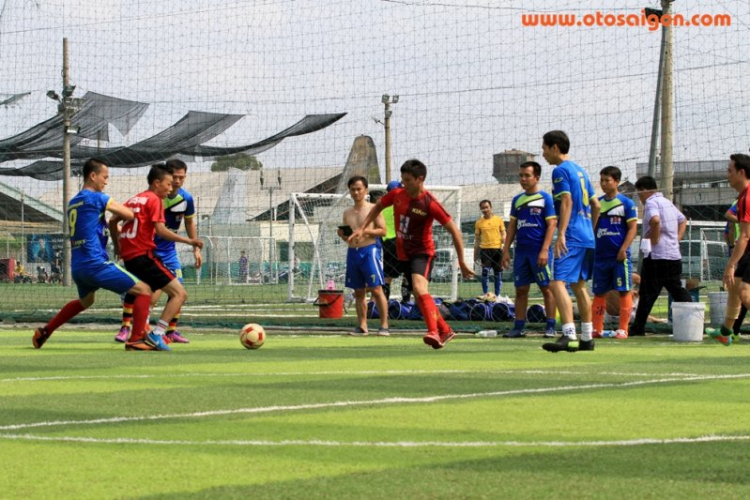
723,335
138,345
735,337
157,342
621,334
569,345
384,332
447,336
40,337
515,333
359,332
434,340
124,335
596,334
549,333
177,338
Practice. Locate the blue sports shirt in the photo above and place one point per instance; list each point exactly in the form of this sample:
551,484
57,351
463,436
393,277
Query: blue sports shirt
568,177
612,225
176,208
531,212
88,228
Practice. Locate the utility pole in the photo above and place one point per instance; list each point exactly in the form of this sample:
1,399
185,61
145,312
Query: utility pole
387,101
67,113
667,172
272,217
652,155
67,107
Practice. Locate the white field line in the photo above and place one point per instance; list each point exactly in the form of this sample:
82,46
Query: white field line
372,402
63,378
379,444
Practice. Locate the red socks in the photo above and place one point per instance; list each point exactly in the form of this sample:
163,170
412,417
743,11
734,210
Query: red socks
68,312
141,306
626,308
432,317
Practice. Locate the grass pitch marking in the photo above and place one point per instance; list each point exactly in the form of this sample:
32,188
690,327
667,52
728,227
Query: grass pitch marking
373,402
379,444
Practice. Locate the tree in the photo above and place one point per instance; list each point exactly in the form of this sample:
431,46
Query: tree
242,161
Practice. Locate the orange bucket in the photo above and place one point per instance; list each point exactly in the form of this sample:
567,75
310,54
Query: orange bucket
331,303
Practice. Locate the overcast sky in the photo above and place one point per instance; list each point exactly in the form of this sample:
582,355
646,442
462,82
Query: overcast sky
472,81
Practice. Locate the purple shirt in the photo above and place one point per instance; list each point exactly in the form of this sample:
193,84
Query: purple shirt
668,247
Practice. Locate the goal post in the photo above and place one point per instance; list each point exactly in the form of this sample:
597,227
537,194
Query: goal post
317,254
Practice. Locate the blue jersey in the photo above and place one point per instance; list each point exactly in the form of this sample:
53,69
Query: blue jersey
570,178
176,208
612,225
531,212
88,228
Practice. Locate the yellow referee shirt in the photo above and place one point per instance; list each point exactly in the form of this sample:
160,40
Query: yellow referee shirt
488,232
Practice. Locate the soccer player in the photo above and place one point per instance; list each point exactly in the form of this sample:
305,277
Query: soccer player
391,267
90,264
615,229
532,226
738,266
364,261
489,232
178,206
415,208
575,201
136,246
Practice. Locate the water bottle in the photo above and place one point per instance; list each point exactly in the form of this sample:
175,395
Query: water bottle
330,284
486,333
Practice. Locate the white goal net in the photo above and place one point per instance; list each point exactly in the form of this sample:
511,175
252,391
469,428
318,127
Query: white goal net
317,254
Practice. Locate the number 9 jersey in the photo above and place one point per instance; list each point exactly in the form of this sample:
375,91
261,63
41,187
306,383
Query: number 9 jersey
88,228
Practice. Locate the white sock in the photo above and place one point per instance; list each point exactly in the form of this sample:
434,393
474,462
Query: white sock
569,330
161,327
586,329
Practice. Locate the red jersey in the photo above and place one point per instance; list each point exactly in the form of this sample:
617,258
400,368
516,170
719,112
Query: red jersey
743,211
413,217
137,235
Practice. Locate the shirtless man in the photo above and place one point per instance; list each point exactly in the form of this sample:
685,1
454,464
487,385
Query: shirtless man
364,262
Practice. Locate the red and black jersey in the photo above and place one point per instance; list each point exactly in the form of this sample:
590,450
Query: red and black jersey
743,210
137,235
413,217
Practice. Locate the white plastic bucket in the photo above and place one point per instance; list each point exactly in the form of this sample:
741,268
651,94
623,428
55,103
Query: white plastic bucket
688,321
717,307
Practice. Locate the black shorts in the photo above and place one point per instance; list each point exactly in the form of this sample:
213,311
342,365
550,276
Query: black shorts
419,264
391,267
492,258
743,268
149,269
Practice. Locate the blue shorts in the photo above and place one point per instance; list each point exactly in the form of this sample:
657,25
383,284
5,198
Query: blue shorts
171,262
108,275
612,275
364,267
525,270
574,266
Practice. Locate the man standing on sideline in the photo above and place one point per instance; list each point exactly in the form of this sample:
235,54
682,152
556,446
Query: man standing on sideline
489,235
90,264
532,226
575,203
737,271
178,206
615,230
243,267
136,246
415,208
663,228
364,261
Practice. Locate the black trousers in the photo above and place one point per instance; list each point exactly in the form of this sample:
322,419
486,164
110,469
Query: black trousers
656,275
